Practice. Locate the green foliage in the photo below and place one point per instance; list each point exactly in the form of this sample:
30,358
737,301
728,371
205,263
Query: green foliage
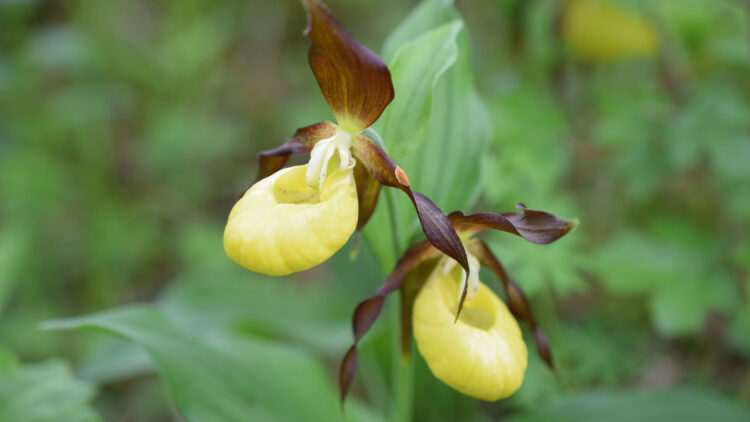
683,405
43,392
127,130
230,380
415,70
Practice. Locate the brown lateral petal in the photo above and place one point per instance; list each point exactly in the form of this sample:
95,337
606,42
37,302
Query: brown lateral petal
517,302
355,82
303,141
535,226
369,309
542,345
346,372
368,189
435,225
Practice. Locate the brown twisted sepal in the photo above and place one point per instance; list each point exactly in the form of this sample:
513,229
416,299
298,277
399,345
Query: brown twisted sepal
535,226
436,226
368,311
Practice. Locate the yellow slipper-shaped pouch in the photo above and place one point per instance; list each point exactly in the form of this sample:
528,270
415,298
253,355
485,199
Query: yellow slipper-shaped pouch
281,225
482,354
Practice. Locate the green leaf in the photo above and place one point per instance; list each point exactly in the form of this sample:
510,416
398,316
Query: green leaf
584,359
447,167
678,405
112,359
657,263
428,15
675,265
44,392
415,70
679,306
230,380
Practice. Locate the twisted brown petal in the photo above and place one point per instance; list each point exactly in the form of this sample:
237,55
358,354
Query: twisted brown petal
303,141
355,82
435,225
369,309
542,345
517,301
535,226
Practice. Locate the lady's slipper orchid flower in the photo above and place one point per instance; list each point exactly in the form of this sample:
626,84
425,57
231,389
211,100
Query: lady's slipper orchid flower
466,334
482,354
294,219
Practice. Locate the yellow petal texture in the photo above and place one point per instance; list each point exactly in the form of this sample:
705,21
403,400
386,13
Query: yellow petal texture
599,30
482,354
281,225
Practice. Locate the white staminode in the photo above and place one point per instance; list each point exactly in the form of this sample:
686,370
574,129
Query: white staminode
323,151
449,264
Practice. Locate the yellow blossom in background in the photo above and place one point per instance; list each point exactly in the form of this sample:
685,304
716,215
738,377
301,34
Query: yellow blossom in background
483,353
598,30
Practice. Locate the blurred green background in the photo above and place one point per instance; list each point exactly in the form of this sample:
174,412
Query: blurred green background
129,128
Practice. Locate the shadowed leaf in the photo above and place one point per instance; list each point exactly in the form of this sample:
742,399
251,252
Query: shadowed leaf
681,404
355,82
535,226
303,141
44,392
230,379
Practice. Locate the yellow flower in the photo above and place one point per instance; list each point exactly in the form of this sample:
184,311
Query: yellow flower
469,338
483,353
283,225
297,218
597,30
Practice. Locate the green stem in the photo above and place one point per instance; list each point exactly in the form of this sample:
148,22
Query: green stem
403,369
403,377
393,216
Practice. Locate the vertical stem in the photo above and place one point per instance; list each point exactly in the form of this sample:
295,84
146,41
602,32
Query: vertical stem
403,375
393,216
403,369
